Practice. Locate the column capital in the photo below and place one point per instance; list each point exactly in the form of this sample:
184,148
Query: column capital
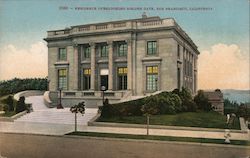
75,44
128,41
110,42
92,44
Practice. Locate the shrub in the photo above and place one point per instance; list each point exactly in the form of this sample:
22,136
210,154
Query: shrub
187,103
5,108
9,102
169,103
107,109
21,106
243,111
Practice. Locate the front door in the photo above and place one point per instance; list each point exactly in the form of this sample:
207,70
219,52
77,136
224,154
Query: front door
104,81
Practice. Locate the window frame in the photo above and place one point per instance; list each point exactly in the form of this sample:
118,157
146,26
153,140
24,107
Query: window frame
124,49
154,73
64,77
60,56
103,53
153,50
86,79
122,75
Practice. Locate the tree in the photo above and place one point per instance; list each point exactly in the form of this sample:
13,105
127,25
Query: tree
187,103
10,102
78,108
243,111
202,101
21,106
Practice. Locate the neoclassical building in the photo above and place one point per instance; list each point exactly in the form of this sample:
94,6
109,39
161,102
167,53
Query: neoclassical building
133,57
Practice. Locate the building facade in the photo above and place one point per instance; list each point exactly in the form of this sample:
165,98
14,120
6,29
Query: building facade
132,57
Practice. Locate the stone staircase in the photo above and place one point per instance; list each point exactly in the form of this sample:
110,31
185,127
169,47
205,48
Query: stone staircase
58,116
42,114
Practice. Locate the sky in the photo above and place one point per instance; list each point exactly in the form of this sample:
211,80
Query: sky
220,30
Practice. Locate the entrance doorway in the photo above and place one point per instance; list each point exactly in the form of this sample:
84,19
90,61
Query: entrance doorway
104,81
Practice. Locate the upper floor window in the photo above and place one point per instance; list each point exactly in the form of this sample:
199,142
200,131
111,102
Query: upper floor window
151,47
85,51
104,51
62,54
122,49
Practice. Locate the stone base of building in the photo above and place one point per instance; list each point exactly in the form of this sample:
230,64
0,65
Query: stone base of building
92,99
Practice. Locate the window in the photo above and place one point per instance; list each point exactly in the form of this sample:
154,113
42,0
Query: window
85,51
62,79
178,78
86,79
122,78
62,56
104,51
178,51
122,49
151,47
152,78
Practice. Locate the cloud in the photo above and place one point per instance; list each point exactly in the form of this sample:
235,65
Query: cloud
23,63
224,67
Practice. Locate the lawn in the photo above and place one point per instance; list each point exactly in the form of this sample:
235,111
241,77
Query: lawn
186,119
160,138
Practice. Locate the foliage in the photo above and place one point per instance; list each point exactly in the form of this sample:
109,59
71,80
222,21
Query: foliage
78,108
165,102
202,101
21,106
17,85
243,111
9,101
187,103
150,108
230,107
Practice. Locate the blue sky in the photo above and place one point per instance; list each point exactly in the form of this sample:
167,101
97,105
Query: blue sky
28,20
25,22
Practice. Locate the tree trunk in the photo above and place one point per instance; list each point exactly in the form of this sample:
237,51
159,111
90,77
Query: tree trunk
75,122
147,125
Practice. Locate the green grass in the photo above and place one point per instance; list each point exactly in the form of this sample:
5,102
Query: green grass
160,138
187,119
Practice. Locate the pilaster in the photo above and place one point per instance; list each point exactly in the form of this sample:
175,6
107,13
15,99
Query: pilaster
110,78
92,56
129,65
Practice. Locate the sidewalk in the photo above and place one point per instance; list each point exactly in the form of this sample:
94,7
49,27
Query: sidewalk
60,129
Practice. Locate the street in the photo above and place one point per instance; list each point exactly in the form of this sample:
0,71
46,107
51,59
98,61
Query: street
42,146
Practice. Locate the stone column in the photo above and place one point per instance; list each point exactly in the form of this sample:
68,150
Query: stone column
92,77
110,48
75,67
129,65
134,76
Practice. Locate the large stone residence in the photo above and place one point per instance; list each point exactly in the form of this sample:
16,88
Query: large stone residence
216,99
129,58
